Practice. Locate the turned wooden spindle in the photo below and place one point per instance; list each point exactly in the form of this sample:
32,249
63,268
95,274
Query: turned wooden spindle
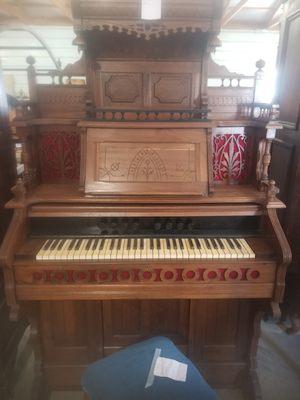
266,162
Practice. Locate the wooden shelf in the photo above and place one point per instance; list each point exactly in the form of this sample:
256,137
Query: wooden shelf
68,200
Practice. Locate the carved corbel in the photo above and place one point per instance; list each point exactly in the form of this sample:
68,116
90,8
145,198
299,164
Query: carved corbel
284,255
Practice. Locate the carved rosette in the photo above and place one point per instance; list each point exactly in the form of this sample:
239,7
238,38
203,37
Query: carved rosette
141,275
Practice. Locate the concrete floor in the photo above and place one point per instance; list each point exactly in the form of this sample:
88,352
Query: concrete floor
278,370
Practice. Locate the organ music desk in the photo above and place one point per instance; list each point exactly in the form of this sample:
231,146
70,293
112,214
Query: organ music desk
134,215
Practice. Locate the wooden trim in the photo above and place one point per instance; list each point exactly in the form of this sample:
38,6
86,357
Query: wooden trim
231,14
119,292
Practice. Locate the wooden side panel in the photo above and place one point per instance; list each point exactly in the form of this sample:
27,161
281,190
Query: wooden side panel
146,161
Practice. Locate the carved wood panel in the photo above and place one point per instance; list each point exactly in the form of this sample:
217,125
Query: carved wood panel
171,90
61,101
156,161
59,154
143,85
122,90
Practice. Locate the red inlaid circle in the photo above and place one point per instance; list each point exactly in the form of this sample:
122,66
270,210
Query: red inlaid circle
147,275
37,276
255,274
169,275
103,276
59,276
81,275
190,274
212,275
233,275
125,275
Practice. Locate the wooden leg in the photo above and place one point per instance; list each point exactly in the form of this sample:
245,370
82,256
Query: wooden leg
39,386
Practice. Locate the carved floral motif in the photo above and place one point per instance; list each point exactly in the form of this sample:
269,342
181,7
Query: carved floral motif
231,161
59,156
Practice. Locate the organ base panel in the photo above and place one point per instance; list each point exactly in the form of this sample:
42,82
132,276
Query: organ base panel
215,334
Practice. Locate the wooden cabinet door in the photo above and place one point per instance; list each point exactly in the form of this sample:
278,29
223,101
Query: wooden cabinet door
71,334
127,322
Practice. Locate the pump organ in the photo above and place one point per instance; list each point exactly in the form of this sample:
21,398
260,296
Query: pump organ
143,208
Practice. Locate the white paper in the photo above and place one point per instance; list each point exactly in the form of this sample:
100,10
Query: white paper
168,368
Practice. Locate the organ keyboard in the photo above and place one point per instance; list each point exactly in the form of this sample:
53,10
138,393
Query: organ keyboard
137,248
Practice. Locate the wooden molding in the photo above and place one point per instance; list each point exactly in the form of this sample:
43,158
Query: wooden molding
235,10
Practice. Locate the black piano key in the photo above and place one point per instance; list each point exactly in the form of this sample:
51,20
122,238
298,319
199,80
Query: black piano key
191,244
181,244
95,245
168,243
151,244
221,245
54,244
77,245
237,244
128,244
88,245
207,243
231,244
174,244
134,244
142,244
158,244
102,244
214,243
112,243
198,243
72,244
119,244
60,245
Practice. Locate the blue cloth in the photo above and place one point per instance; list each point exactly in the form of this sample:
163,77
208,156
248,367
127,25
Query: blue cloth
124,375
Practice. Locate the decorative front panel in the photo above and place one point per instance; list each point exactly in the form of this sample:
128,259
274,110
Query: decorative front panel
150,162
171,90
193,274
122,90
147,85
232,150
146,161
59,154
63,101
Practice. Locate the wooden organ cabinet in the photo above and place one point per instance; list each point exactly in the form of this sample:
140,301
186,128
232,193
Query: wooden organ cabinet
145,206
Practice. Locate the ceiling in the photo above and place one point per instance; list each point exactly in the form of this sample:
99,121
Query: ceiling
237,14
